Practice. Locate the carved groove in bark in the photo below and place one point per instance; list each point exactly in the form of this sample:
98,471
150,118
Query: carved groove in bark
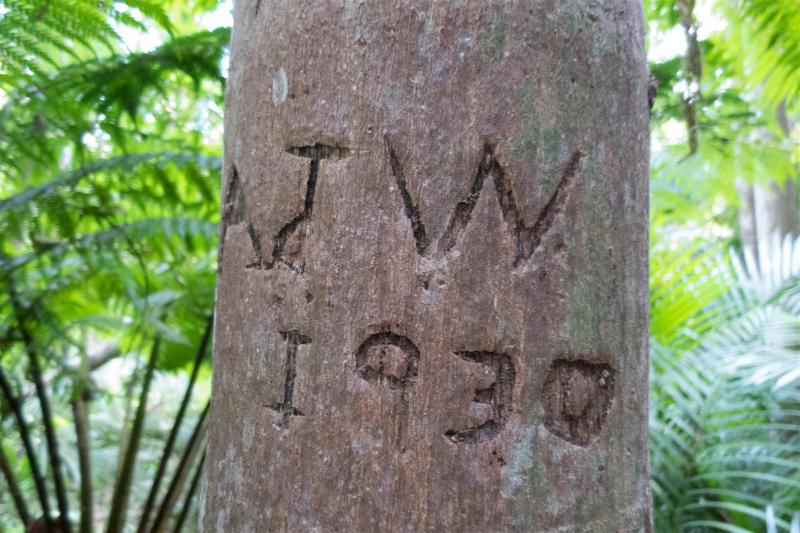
297,226
287,410
498,395
527,238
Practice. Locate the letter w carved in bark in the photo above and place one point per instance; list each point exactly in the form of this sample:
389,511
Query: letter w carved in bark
527,238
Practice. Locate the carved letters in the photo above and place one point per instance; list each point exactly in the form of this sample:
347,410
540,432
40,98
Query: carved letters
498,396
527,238
286,408
284,250
576,393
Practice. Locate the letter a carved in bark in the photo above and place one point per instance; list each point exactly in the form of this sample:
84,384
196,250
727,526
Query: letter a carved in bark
432,301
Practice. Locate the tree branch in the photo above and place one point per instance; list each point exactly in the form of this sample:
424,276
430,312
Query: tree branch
187,503
693,72
189,453
122,488
81,416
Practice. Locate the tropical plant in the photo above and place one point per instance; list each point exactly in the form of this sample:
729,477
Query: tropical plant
725,388
108,226
725,356
109,190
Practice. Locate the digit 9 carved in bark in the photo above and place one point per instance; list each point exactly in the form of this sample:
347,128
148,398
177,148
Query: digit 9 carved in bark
390,360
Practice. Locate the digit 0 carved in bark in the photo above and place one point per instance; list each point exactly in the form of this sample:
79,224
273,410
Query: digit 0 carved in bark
432,303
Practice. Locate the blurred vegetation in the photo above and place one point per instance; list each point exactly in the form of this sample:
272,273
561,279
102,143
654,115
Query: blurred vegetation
725,296
110,139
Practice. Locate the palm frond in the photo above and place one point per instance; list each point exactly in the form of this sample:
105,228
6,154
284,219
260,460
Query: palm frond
725,409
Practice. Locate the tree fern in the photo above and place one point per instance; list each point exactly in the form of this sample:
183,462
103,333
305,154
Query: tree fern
108,233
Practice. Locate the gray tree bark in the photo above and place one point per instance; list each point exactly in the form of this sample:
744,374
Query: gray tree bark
432,301
770,211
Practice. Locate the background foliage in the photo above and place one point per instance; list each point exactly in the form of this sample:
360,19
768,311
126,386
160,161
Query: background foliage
109,155
110,136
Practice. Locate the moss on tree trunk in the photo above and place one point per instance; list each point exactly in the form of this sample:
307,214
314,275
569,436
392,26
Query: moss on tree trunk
432,306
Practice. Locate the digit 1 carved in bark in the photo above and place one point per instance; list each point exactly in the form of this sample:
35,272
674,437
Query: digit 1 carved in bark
287,410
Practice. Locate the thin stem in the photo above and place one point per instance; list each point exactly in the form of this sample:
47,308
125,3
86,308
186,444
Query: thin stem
13,488
47,418
80,413
178,479
173,435
36,473
693,72
187,503
122,488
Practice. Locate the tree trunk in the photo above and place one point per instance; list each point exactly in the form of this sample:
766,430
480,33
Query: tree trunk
769,212
432,302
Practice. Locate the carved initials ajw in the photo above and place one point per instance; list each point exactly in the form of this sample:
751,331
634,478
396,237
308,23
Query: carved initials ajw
527,238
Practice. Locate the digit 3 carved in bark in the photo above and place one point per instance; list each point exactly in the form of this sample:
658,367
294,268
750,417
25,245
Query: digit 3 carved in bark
499,396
